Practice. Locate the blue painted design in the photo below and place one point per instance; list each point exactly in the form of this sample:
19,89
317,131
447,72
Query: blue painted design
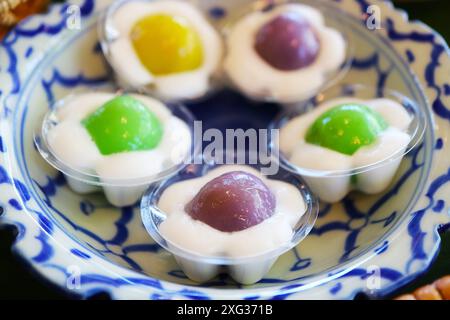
80,254
50,188
280,296
388,220
133,264
416,233
15,204
12,38
158,296
363,5
438,104
193,294
385,273
177,274
21,231
22,189
439,144
373,61
382,248
2,146
87,8
447,89
332,226
438,183
145,247
46,251
300,263
255,297
29,52
395,35
350,245
4,177
217,12
45,224
410,56
324,210
86,279
12,69
390,274
414,228
70,82
118,282
437,51
87,207
440,204
122,231
337,287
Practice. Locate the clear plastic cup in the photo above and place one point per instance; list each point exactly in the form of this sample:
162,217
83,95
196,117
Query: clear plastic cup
119,192
245,269
333,18
333,185
112,40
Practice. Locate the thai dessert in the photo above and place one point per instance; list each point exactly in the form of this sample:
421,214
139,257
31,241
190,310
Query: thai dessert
167,47
344,135
122,140
235,212
284,54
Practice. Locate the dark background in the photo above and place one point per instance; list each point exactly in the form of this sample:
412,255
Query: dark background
17,281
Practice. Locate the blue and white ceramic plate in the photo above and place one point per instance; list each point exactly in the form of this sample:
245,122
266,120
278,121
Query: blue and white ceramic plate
370,244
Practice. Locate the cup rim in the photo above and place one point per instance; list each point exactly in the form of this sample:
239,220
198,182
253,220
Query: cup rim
150,212
416,129
50,120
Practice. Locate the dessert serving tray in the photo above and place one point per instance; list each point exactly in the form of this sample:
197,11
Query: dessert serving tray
363,244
